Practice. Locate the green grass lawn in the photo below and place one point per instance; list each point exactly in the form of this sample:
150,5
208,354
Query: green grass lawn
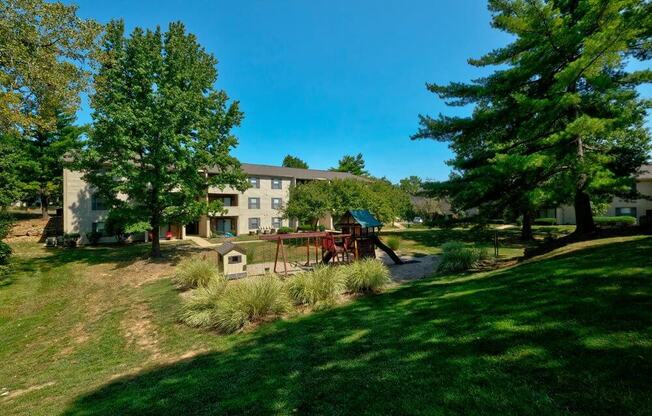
423,240
94,331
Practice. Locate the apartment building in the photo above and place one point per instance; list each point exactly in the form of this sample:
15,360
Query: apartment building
257,208
641,208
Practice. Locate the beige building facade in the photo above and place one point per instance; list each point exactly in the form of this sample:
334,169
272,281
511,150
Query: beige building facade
638,208
257,209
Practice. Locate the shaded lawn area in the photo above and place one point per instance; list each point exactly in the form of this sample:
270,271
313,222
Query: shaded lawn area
423,240
571,334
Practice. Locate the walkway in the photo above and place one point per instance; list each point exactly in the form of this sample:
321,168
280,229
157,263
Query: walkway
201,242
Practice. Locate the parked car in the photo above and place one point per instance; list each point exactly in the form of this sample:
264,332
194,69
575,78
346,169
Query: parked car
417,220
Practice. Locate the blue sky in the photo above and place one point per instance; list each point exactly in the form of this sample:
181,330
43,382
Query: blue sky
319,79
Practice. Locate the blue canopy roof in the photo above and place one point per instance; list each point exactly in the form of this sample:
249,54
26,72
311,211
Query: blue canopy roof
365,218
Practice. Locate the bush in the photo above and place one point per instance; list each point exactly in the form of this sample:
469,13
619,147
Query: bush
194,272
5,252
250,300
199,309
457,257
394,242
94,237
306,227
320,287
545,221
367,275
619,221
228,306
284,230
70,239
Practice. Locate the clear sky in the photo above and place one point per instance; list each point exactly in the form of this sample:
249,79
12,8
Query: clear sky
319,79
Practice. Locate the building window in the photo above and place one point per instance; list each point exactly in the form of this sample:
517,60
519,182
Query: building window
254,182
97,204
277,203
277,222
276,183
254,203
629,211
254,223
227,201
235,259
98,227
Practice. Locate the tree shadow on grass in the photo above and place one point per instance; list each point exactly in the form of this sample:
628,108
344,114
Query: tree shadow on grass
572,334
120,256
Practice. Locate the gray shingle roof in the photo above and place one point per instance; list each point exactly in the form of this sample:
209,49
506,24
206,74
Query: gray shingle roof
228,247
645,172
279,171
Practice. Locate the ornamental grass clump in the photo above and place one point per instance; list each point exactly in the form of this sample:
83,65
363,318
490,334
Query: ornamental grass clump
367,275
250,300
194,272
230,305
320,287
394,242
458,257
199,309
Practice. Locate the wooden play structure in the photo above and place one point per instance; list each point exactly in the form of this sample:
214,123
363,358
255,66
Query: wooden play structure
357,238
363,228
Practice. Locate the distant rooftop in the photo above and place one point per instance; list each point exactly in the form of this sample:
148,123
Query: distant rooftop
646,172
283,172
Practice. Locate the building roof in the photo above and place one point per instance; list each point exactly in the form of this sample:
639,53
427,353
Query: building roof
228,247
279,171
365,218
645,172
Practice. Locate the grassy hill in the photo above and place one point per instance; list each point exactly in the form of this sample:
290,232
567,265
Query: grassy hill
94,332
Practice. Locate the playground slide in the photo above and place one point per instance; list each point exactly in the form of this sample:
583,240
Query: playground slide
387,250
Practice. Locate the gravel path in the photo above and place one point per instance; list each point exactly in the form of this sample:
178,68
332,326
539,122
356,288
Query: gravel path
414,269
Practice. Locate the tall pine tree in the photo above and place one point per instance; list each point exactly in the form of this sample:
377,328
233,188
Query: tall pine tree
562,120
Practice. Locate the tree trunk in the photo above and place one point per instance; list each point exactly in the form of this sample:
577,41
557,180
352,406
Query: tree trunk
526,229
583,215
45,202
156,238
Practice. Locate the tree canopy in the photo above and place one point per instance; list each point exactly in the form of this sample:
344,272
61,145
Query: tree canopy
412,184
352,164
561,120
43,46
162,132
310,201
290,161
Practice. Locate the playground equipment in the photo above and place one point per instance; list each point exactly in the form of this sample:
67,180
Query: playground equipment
363,227
357,239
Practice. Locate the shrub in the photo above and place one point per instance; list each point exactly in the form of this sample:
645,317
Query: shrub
199,309
284,230
5,252
306,227
321,228
545,221
458,257
394,242
194,272
229,305
94,237
250,300
367,275
70,239
619,221
320,287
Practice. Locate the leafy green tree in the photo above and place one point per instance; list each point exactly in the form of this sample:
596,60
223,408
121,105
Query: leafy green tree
352,164
308,202
290,161
43,46
42,172
411,184
561,120
11,164
162,132
311,201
